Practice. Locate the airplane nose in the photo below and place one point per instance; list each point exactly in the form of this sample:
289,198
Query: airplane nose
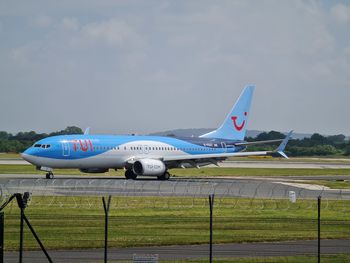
25,156
28,157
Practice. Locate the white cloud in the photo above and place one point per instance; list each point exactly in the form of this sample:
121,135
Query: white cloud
43,21
112,32
341,13
70,24
190,57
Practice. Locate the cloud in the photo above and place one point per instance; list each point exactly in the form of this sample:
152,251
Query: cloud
183,63
112,33
341,13
70,24
43,21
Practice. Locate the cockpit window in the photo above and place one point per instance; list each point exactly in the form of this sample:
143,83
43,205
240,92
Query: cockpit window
44,146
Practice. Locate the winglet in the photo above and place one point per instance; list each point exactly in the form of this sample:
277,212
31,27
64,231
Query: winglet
283,145
87,131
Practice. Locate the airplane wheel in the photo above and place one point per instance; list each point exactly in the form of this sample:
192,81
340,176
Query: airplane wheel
49,175
129,174
164,176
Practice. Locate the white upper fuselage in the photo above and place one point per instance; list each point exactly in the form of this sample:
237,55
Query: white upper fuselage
107,151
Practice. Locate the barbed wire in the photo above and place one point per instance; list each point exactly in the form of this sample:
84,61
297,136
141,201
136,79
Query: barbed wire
261,194
183,187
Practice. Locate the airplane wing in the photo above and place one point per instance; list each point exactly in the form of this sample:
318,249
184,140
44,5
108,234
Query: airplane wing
257,142
213,156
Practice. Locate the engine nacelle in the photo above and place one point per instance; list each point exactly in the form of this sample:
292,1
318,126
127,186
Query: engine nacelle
94,170
149,167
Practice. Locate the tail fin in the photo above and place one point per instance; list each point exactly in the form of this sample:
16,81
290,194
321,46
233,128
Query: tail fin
235,124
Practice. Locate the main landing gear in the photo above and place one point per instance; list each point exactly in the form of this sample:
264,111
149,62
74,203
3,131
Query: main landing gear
49,175
165,176
129,174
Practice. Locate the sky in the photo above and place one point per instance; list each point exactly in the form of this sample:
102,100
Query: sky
146,66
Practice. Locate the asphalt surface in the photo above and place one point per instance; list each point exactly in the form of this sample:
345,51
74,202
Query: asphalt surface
266,249
186,187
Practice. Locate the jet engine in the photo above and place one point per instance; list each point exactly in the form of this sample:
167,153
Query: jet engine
94,170
149,167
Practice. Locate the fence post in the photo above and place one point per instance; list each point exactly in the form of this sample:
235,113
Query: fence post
211,207
1,237
106,209
319,230
21,235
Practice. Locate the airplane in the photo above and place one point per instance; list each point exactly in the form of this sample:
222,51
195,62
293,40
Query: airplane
150,155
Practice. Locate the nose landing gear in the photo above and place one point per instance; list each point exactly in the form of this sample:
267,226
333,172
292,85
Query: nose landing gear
49,175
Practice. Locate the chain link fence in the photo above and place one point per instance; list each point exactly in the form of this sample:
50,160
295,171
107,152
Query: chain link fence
253,221
186,188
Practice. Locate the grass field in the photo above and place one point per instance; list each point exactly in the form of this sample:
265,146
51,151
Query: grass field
333,184
340,258
10,156
78,222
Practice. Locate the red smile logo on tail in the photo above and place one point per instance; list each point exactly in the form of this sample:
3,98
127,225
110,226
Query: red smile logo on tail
238,127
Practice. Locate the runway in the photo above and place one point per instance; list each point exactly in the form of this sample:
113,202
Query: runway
185,187
266,249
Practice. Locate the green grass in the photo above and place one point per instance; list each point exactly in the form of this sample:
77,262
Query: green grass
10,156
334,184
339,258
78,222
311,159
203,172
212,172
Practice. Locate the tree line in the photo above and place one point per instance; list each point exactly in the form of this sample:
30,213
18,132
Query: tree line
22,140
316,145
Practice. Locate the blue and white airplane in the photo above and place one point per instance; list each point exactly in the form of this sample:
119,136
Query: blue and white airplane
149,155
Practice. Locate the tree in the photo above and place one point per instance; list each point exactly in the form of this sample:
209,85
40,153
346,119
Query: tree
317,138
4,135
272,135
336,139
68,130
347,150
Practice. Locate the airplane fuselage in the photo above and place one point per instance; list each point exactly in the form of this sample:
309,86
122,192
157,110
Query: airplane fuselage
108,151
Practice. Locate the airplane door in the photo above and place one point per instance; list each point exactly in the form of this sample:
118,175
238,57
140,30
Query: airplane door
224,147
65,148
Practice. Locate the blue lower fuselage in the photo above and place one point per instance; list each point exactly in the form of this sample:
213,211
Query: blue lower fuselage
108,151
